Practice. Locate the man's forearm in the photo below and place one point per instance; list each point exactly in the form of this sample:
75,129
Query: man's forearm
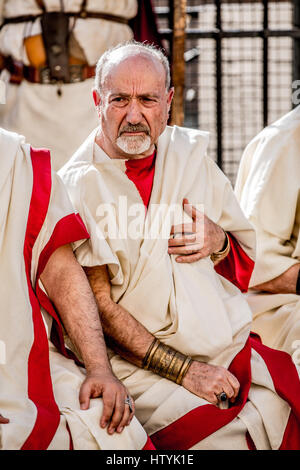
123,332
132,341
283,284
69,290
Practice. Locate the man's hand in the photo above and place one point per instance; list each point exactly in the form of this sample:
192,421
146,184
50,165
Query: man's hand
207,381
195,240
116,414
3,420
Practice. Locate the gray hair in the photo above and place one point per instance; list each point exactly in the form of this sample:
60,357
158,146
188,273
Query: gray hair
140,47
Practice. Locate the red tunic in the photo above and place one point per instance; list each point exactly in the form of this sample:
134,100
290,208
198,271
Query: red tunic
141,173
237,267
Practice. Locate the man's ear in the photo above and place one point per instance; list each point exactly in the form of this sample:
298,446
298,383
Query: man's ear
170,96
96,98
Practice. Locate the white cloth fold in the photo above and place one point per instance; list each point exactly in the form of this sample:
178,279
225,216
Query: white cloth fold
187,306
268,188
39,387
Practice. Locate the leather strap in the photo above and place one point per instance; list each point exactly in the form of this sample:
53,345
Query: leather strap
40,4
55,33
83,5
19,72
81,14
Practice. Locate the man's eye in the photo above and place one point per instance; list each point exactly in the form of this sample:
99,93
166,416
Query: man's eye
119,100
148,100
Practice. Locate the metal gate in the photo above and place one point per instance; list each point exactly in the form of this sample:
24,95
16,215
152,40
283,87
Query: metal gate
241,59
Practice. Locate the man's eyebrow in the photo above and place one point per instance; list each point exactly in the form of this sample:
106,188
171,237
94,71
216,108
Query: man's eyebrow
123,95
149,95
127,95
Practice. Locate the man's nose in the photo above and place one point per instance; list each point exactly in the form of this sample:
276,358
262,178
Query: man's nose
134,114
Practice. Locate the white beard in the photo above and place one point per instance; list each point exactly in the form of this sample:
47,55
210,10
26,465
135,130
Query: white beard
134,145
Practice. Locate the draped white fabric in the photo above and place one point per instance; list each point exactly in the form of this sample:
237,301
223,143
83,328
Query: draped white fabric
268,188
187,306
17,322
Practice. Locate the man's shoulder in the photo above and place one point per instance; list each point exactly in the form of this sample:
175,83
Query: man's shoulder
282,128
9,137
186,133
184,141
82,160
289,120
12,150
274,142
10,143
74,171
274,148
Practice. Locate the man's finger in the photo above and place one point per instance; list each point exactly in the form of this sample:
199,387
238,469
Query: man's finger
235,384
131,414
125,420
212,399
117,413
191,210
108,409
84,396
190,258
228,389
182,229
184,250
181,241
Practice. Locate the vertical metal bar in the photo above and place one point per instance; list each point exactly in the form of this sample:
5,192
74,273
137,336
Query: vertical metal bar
170,24
178,62
219,94
266,62
296,42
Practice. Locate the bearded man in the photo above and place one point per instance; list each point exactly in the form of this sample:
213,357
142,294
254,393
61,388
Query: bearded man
179,332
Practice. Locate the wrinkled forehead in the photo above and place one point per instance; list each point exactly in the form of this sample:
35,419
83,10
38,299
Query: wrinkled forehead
125,66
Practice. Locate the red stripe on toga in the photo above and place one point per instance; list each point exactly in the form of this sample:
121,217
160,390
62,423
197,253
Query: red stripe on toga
149,445
67,230
39,380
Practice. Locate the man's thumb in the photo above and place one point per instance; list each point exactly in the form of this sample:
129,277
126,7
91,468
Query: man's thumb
189,208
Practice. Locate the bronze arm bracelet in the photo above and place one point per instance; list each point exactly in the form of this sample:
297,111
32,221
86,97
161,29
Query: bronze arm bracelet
166,362
224,252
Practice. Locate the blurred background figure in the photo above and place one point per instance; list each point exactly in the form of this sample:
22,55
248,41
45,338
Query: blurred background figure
49,49
268,188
